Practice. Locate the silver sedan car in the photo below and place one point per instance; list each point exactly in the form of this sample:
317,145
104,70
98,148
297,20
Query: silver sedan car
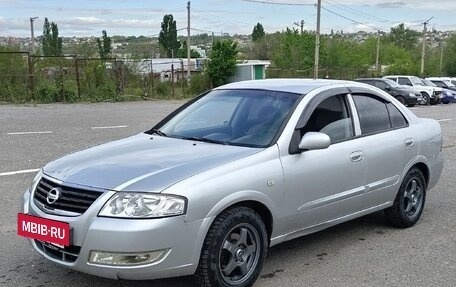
236,170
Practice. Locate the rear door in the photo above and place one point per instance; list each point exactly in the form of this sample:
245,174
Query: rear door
389,144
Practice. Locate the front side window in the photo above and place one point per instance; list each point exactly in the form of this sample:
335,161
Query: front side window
331,117
373,114
236,117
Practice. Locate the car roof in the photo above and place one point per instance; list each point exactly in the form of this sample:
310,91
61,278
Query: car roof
370,79
297,86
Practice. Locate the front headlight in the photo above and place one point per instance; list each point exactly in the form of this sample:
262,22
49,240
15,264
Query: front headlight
143,205
412,95
36,180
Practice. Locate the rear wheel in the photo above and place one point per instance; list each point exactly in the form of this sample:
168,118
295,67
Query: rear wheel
409,202
234,250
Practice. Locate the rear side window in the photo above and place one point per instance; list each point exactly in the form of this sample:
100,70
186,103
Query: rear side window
397,118
373,114
404,81
380,85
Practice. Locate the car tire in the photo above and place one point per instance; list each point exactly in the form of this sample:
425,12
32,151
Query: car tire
234,249
411,105
426,99
409,202
434,101
401,99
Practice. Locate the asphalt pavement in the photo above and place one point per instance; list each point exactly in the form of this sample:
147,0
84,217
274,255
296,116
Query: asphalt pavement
362,252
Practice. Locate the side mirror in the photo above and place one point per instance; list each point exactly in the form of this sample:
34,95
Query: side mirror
409,84
314,140
387,88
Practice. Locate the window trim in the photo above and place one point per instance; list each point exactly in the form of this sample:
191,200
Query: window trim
385,101
313,103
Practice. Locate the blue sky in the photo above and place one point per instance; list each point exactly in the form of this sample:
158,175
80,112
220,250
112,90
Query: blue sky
142,17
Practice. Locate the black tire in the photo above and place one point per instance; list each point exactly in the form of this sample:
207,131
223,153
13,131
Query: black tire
401,99
227,261
411,105
426,98
435,101
409,202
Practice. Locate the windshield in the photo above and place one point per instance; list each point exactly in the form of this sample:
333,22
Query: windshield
448,83
236,117
393,83
428,83
416,81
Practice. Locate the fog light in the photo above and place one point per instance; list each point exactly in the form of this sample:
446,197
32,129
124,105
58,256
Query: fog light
126,259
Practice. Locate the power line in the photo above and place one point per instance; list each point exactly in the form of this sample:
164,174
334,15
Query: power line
356,12
278,3
208,15
352,20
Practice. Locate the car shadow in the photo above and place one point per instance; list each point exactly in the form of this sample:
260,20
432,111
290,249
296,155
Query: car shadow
305,248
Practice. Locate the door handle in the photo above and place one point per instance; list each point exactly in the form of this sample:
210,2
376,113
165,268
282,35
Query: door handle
409,142
357,156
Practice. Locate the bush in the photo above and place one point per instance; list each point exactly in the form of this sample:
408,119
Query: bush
15,93
163,88
198,84
47,92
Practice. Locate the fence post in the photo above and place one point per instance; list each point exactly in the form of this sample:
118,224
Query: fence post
31,79
78,83
172,79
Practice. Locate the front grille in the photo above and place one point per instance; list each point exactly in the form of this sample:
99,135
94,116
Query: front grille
69,199
67,254
437,93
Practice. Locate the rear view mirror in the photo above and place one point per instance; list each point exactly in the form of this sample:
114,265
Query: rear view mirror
314,141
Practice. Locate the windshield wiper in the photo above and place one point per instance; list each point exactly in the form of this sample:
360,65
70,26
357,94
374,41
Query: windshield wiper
202,139
158,132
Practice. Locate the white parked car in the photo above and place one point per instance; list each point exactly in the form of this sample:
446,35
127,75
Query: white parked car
431,95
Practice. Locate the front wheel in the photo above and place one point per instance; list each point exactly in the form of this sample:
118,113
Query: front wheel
426,98
435,101
234,249
409,202
401,99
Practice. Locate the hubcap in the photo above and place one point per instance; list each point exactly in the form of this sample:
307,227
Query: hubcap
413,198
239,254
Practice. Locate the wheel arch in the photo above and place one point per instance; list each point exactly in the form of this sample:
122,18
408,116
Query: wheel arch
424,169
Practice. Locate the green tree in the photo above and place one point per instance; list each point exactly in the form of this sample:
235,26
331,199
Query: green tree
182,53
403,37
222,64
51,42
258,32
296,51
168,36
449,67
104,45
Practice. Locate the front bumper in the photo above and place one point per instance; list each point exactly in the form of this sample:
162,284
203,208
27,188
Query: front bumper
90,232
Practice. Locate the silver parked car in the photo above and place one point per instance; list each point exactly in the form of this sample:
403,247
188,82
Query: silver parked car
239,169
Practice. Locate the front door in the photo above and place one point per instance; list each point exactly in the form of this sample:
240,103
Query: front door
323,185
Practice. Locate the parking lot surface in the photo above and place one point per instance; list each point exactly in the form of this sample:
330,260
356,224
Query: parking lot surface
363,252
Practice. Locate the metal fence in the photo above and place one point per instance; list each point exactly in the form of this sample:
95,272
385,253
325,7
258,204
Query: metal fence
339,73
25,78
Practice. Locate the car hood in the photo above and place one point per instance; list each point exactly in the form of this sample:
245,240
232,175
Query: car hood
142,163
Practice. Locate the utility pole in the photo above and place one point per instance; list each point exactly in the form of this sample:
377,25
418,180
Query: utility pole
423,48
32,39
300,24
188,42
377,66
441,57
317,41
